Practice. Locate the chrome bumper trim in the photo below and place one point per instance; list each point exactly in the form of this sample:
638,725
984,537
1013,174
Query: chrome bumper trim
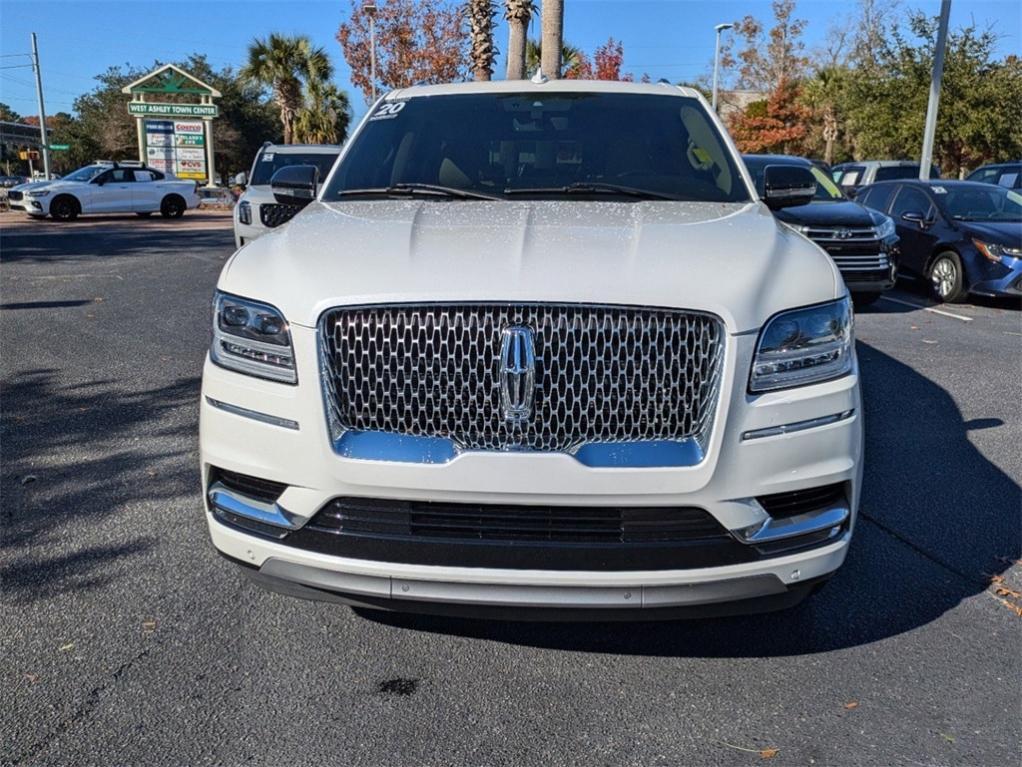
255,415
832,518
223,499
788,428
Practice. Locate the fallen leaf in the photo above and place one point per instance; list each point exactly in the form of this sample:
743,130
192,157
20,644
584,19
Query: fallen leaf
947,737
769,753
914,327
997,579
32,678
1004,591
68,646
149,624
852,704
99,299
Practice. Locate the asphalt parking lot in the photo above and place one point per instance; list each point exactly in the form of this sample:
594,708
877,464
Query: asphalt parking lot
126,640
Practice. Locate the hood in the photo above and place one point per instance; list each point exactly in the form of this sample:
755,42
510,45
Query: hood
839,213
32,185
733,260
995,232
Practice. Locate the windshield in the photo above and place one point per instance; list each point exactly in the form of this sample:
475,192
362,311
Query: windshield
269,162
86,174
980,203
604,146
826,189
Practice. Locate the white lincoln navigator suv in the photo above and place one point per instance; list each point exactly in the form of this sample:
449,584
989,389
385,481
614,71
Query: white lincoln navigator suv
535,349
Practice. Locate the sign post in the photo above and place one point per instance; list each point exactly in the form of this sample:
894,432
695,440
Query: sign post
175,136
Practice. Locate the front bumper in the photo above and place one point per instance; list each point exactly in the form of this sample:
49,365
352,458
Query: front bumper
871,282
751,453
1007,283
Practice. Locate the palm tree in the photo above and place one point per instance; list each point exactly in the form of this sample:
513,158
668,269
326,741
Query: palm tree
325,117
480,19
517,13
551,32
282,63
571,56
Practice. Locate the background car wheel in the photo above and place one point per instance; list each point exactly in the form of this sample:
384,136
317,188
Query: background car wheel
65,208
948,278
864,299
145,214
172,206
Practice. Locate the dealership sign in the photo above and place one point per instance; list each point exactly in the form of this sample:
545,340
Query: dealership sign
145,108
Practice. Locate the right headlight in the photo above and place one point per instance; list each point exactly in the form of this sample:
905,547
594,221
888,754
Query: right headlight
244,212
885,228
252,338
804,346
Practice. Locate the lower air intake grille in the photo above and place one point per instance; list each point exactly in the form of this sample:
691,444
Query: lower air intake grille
780,505
422,519
253,487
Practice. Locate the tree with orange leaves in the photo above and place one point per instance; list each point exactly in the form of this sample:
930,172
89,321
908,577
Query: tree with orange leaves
415,43
774,125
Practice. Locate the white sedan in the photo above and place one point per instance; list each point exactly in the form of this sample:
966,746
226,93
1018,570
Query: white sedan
106,188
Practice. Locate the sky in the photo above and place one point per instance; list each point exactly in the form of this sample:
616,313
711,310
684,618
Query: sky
674,39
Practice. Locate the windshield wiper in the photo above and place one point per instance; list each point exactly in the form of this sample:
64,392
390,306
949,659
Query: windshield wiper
412,189
591,187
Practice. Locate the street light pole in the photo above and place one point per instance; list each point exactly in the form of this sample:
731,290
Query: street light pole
370,9
42,109
929,132
716,61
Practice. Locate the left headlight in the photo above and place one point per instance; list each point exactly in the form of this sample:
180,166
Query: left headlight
804,346
252,338
885,228
41,193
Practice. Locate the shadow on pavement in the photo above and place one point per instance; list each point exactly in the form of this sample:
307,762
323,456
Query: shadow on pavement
59,246
74,453
937,520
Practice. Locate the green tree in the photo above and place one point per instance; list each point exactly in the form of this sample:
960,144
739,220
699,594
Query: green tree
284,63
571,56
7,114
325,116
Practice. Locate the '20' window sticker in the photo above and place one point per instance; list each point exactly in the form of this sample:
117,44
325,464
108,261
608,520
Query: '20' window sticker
388,110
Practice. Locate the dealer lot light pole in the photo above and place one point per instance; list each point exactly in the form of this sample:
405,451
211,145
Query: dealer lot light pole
716,61
930,131
370,10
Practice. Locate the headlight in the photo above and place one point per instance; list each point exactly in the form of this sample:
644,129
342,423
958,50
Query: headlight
252,338
885,228
41,193
995,252
803,346
244,212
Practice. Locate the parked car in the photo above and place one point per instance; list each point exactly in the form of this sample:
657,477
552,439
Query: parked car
852,176
106,187
862,243
1008,175
6,182
256,211
963,236
535,346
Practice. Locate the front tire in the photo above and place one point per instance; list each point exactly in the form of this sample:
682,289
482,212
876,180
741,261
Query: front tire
173,206
948,278
65,208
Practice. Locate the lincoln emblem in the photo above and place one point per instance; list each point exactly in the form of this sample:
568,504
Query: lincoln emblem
517,373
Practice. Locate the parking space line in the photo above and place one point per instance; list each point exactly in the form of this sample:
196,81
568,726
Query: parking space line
926,308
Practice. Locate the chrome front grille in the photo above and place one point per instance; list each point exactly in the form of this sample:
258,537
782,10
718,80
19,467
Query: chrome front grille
603,374
866,262
853,250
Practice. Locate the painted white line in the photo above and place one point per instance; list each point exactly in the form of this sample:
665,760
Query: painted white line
927,308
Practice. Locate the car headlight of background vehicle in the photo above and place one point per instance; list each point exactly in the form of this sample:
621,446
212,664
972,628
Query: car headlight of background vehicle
995,252
252,338
244,212
885,228
803,346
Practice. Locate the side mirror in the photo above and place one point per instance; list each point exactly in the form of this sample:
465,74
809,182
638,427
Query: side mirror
785,186
295,184
100,181
240,179
917,218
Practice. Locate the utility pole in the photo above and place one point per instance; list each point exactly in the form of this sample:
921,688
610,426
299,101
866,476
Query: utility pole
370,9
929,132
42,109
716,61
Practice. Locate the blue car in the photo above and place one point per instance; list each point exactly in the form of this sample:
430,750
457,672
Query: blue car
965,237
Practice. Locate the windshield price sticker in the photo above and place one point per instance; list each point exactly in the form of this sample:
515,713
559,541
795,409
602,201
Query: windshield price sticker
939,190
388,110
268,157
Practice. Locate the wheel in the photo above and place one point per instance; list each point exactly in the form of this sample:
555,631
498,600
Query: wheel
65,208
145,214
948,278
172,206
864,299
